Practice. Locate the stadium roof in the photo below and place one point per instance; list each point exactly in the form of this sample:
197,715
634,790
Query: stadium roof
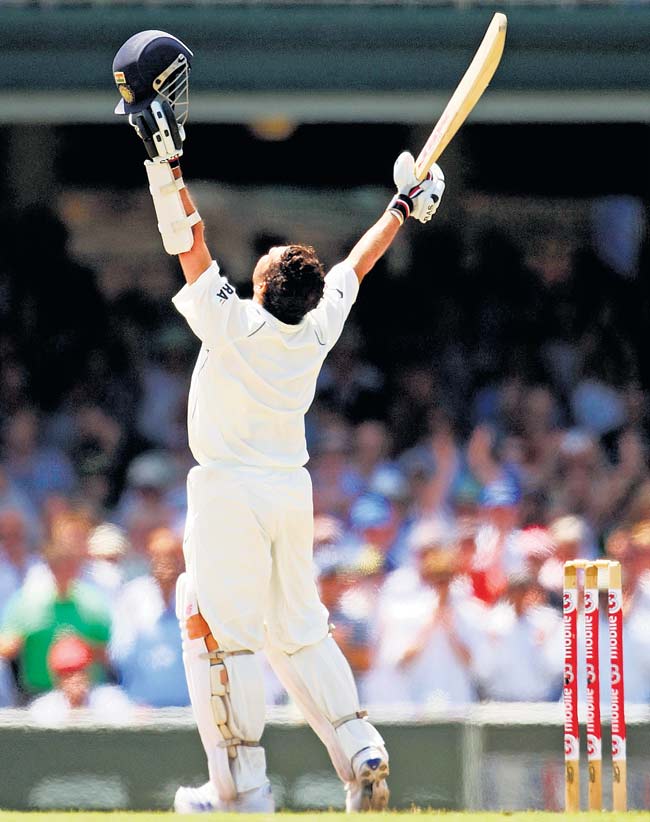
353,62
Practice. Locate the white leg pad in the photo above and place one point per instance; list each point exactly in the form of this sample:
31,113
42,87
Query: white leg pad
319,680
248,718
228,705
197,673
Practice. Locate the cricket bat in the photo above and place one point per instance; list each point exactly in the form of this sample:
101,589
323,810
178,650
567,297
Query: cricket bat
467,94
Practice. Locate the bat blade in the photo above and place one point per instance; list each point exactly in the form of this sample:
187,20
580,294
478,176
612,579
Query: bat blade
467,94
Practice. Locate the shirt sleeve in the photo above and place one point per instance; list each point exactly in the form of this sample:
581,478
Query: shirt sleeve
95,620
212,308
13,619
341,289
122,629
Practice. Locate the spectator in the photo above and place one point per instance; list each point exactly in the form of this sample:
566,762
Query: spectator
434,467
633,550
597,406
12,498
476,577
8,696
36,469
349,384
540,361
415,394
371,468
375,523
144,506
16,557
350,601
108,548
579,483
163,405
98,450
328,531
569,538
536,546
50,603
146,644
629,474
497,554
335,486
520,658
427,628
69,662
56,333
540,434
15,387
562,301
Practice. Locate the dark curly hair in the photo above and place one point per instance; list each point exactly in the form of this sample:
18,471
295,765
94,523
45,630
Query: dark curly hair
294,284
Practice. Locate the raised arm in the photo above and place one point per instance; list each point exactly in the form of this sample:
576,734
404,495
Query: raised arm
413,199
197,260
179,222
374,244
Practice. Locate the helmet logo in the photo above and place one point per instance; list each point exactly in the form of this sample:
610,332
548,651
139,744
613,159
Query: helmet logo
125,90
127,94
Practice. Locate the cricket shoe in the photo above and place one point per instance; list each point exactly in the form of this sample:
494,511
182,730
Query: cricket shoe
205,799
369,791
257,800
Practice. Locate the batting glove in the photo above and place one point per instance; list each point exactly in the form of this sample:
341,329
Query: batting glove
156,126
415,198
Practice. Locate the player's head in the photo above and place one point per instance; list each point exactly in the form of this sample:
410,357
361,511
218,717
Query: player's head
289,282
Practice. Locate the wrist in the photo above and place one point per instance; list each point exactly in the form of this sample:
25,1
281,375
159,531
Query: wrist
401,207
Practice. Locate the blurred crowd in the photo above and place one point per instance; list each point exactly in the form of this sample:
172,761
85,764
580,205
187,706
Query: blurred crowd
470,433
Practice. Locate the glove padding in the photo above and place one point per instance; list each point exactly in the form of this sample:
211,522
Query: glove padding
156,126
425,194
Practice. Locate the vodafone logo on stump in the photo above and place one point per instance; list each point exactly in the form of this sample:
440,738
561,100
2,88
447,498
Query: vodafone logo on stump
591,601
570,747
614,601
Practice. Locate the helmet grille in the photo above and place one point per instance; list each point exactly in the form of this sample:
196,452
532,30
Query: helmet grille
173,85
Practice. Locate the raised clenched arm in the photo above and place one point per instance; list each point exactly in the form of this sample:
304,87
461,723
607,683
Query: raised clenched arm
374,244
197,260
414,198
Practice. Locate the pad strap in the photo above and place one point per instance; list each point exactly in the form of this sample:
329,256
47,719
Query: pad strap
198,628
175,185
234,742
220,655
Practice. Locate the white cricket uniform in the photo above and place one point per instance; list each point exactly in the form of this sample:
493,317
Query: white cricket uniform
249,531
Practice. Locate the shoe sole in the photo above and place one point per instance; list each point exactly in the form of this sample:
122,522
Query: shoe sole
375,789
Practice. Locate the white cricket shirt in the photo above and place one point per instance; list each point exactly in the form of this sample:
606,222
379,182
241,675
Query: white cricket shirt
255,377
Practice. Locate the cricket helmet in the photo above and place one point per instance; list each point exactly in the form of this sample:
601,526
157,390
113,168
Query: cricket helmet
153,64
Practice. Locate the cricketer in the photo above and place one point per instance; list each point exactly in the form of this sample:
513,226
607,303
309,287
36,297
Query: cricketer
249,582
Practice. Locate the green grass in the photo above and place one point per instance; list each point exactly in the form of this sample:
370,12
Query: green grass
416,815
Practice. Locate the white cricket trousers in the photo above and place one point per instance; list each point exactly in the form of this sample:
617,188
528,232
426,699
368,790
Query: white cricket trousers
248,550
248,553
